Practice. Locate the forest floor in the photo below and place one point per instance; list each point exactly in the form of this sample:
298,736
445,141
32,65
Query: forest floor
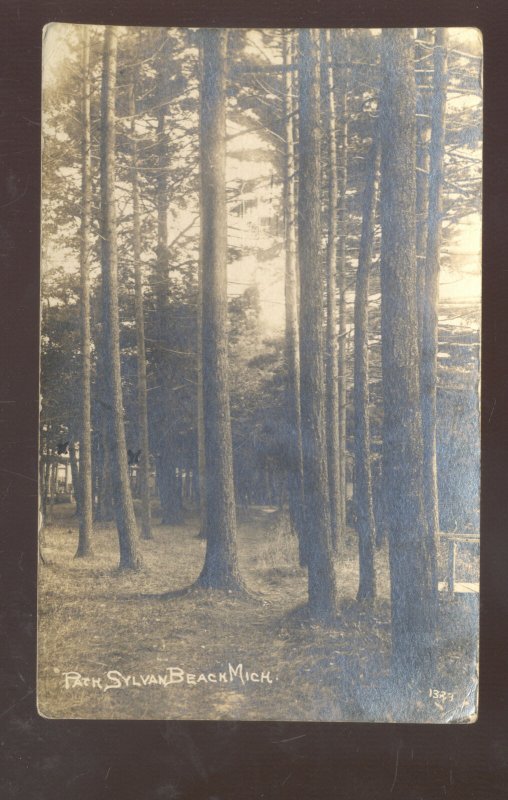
108,641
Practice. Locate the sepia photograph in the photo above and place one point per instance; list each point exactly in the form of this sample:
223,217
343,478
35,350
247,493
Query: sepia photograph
259,438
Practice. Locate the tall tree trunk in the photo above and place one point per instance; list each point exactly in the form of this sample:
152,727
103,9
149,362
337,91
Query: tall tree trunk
422,190
342,135
321,575
83,488
363,478
332,346
220,570
423,65
203,519
169,497
412,608
200,409
144,464
294,454
124,509
431,288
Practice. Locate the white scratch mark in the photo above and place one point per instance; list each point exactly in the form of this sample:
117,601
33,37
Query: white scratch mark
396,769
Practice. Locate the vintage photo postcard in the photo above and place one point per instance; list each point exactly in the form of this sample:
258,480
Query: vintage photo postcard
260,335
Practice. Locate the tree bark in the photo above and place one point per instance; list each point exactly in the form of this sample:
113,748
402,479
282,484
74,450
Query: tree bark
363,478
172,513
294,453
422,190
105,512
42,490
422,166
200,409
220,570
124,509
162,265
321,575
52,483
342,135
332,346
43,480
83,487
412,607
144,463
76,478
431,287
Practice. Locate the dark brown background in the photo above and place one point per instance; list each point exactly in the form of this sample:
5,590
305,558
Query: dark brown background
48,760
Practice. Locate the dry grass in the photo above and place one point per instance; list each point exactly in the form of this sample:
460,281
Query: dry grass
278,555
93,618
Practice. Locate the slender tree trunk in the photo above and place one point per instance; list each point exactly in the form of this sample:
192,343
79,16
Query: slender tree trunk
95,472
423,64
200,410
162,265
294,455
220,570
52,488
321,574
413,612
363,478
431,289
105,511
124,509
43,499
332,346
144,464
77,478
161,288
43,489
203,522
169,497
83,487
171,502
47,487
342,135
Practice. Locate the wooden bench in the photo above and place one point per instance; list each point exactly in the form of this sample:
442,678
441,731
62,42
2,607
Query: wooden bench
451,585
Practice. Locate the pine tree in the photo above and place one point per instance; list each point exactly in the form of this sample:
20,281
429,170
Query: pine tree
124,509
430,303
342,43
363,479
412,607
84,485
321,575
144,488
332,346
220,570
295,457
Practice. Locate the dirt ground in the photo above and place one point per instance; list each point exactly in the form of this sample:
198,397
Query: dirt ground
111,645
